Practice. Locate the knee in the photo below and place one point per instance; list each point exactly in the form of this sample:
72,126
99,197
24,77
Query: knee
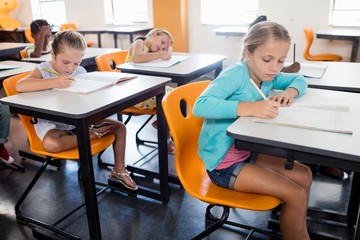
307,177
120,129
50,145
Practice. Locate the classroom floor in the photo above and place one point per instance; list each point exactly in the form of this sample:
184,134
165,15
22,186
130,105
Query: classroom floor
125,217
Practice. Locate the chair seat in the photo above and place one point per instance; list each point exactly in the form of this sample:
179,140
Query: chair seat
324,57
136,112
203,188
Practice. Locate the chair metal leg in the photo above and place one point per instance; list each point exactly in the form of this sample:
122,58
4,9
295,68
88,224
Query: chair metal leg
140,141
26,219
218,222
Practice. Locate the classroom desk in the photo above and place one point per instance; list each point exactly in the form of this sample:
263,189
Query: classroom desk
231,31
88,59
339,76
59,106
126,30
181,73
310,146
19,33
8,48
342,33
23,67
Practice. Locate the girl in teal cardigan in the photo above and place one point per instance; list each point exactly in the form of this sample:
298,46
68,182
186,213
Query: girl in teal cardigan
233,94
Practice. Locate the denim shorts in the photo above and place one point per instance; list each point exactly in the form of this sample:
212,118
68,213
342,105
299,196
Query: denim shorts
226,177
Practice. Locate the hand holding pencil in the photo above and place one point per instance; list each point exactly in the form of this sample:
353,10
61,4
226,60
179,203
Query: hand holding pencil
61,81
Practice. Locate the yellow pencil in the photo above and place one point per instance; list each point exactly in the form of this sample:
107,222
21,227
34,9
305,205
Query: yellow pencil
51,71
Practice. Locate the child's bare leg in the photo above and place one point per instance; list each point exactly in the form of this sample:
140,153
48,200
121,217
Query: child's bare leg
268,176
56,140
119,151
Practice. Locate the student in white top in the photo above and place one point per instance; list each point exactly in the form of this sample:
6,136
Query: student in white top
67,51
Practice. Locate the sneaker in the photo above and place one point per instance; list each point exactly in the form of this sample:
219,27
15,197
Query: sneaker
4,155
171,147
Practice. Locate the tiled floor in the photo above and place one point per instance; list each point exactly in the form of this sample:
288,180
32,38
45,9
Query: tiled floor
124,217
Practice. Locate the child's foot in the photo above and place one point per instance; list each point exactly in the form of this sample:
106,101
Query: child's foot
4,155
170,147
293,68
123,178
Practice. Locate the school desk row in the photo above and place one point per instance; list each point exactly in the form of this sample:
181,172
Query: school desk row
131,31
113,99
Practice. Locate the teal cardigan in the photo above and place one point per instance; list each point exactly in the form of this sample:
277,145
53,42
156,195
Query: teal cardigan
218,106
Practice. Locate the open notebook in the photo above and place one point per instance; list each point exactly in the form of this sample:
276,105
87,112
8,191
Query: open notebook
7,67
92,81
313,70
318,113
163,63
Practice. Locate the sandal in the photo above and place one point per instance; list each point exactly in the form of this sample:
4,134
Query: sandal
92,128
119,178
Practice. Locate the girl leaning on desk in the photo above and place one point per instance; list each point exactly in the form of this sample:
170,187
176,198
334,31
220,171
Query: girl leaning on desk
240,91
67,51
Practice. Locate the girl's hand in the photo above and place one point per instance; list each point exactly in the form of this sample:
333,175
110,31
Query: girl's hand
285,98
165,55
266,109
63,81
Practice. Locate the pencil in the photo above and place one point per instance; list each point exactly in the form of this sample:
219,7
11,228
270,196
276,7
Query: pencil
258,89
294,52
51,71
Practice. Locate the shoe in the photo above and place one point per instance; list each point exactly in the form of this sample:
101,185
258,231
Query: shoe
154,124
293,68
171,147
4,155
119,178
334,173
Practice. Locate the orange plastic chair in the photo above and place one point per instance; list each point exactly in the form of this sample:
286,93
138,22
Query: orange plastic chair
23,53
28,36
190,169
47,158
108,62
73,26
309,34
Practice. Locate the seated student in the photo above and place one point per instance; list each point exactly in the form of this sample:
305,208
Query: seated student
67,51
41,32
232,95
155,45
4,133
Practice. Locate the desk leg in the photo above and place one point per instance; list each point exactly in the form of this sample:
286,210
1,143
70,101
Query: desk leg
354,49
87,171
218,71
115,40
162,150
99,39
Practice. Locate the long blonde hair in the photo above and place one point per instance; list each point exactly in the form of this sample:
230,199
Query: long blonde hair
263,32
68,38
158,31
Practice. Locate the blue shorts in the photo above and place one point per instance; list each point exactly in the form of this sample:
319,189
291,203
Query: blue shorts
226,177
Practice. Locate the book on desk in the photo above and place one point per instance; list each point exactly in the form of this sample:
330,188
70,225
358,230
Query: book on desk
317,113
92,81
7,67
175,59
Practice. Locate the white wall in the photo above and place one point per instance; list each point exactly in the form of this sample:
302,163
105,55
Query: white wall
294,15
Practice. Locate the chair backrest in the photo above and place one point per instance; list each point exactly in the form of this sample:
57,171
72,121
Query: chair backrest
309,35
185,131
66,26
109,61
35,143
28,36
23,53
190,169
